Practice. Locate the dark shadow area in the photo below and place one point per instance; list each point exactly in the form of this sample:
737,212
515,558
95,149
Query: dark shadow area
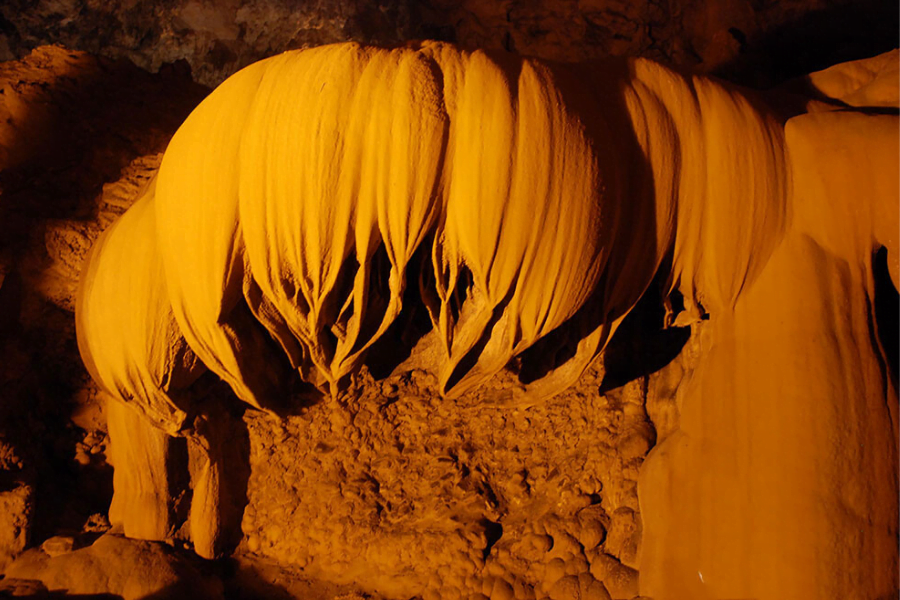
243,582
560,345
468,362
70,123
815,41
54,595
234,464
548,353
492,532
887,313
301,396
262,363
178,478
643,345
378,296
411,325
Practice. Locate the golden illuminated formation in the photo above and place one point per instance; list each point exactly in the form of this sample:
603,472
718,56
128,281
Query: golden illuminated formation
526,198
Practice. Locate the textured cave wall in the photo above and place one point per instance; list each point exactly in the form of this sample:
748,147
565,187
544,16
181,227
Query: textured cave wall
81,138
346,487
71,126
754,41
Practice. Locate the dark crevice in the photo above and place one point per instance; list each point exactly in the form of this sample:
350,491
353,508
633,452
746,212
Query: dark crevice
815,40
493,531
411,325
643,344
887,311
468,362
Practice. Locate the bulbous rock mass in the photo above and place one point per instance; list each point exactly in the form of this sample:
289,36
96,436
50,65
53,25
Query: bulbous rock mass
292,203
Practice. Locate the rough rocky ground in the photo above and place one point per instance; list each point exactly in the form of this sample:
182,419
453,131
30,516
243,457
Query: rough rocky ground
389,491
407,494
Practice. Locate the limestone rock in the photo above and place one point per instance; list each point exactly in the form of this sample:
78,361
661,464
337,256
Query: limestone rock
500,264
871,82
115,565
144,502
770,358
59,544
620,580
16,513
696,160
218,39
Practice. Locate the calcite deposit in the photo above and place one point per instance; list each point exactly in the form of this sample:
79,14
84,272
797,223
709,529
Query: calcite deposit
433,323
317,194
508,174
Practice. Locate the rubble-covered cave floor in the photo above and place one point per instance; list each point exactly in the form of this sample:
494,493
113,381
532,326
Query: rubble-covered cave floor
402,490
390,492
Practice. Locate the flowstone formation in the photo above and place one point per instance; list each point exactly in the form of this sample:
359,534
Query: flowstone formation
409,267
295,199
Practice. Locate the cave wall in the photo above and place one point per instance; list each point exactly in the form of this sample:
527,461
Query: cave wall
754,41
79,136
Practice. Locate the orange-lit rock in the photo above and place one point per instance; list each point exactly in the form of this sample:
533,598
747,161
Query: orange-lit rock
871,82
129,569
525,171
784,471
125,313
71,123
527,207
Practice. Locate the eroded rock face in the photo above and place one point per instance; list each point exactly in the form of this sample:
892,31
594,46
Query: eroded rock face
70,127
765,41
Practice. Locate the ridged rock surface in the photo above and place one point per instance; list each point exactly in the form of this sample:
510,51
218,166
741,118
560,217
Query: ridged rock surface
600,178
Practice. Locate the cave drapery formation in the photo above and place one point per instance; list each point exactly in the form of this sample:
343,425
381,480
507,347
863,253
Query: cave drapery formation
517,329
527,207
